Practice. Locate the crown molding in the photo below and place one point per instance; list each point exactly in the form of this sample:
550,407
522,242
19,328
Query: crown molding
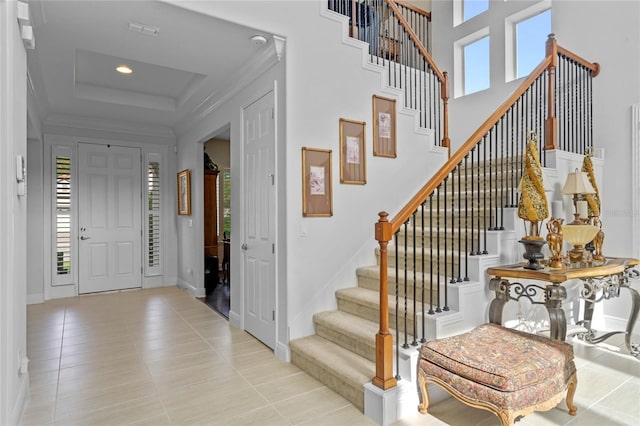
272,54
57,123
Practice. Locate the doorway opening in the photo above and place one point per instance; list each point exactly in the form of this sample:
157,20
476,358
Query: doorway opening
217,222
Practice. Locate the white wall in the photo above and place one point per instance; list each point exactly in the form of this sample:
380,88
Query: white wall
324,82
35,229
13,217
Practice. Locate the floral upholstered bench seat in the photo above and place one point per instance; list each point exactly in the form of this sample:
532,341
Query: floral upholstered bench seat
508,372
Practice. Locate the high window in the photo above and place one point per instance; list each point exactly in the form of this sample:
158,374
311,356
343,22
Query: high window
531,35
471,8
476,66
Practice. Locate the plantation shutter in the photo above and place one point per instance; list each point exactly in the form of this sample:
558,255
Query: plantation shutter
63,207
153,228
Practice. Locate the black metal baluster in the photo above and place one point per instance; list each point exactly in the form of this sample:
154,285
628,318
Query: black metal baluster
479,211
422,298
446,254
431,311
473,236
484,195
491,215
438,309
466,219
415,324
405,345
396,236
459,226
502,171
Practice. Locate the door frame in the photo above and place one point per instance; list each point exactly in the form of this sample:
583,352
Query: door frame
51,142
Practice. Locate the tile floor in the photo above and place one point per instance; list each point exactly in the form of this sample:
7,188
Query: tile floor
161,357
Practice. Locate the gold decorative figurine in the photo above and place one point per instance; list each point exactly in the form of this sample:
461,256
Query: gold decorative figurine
593,203
554,239
532,206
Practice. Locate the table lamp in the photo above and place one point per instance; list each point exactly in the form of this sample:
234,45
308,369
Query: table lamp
577,183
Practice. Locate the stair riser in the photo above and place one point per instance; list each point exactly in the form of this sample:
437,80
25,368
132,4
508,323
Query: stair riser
372,313
364,349
352,392
440,268
451,241
374,284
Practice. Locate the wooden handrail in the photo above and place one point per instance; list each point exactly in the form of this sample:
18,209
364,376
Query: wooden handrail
459,155
593,66
414,9
423,50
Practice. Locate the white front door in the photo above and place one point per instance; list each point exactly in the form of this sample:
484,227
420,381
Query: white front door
109,218
259,220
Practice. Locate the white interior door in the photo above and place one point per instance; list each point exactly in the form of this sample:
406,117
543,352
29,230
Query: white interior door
109,218
259,219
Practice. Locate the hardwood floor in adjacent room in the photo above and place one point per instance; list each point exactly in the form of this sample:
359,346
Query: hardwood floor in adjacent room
162,357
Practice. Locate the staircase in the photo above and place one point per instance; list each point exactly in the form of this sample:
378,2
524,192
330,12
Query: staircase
341,354
436,268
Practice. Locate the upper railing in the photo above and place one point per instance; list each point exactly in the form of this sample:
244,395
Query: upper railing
448,219
398,33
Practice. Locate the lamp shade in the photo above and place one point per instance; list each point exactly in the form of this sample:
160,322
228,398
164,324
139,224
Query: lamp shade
578,183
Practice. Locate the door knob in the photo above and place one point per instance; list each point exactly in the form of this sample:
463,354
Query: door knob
85,238
244,246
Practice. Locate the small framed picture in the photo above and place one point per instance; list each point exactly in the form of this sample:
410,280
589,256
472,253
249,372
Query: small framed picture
316,182
184,193
384,127
352,152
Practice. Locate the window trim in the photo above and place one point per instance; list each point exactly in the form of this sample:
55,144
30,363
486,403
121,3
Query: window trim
459,60
63,279
511,36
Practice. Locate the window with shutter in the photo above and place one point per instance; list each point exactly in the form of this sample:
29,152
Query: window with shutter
63,215
153,253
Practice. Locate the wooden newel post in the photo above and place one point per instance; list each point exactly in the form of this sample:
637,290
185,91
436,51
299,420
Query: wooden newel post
551,122
384,378
446,142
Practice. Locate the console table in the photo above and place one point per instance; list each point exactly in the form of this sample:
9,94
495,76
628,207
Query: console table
600,282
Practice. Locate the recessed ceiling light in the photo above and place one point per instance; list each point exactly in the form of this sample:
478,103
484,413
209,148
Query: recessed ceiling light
258,40
124,69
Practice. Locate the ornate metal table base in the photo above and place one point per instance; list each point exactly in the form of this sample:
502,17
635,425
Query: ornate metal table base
598,289
595,288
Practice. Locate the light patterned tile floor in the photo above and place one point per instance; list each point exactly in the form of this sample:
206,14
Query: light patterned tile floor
161,357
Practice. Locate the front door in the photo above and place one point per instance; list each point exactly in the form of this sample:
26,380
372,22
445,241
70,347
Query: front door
259,219
109,218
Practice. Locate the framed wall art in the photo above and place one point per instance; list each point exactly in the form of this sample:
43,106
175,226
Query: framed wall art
352,152
316,182
384,127
184,193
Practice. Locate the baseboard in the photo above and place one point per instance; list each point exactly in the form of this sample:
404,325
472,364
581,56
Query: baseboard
18,408
617,323
33,299
189,288
235,320
283,352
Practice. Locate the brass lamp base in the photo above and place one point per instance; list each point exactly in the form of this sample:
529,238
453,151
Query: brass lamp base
576,253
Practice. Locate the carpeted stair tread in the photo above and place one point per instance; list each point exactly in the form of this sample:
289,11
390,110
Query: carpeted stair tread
338,368
349,331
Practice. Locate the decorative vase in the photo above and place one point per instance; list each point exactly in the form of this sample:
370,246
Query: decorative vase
533,253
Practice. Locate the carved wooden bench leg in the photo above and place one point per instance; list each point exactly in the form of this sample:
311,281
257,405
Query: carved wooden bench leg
571,390
423,393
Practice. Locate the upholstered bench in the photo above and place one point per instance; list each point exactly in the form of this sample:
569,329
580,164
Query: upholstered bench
508,372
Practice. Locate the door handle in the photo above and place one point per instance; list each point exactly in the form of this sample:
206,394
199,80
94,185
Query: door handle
244,246
85,238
